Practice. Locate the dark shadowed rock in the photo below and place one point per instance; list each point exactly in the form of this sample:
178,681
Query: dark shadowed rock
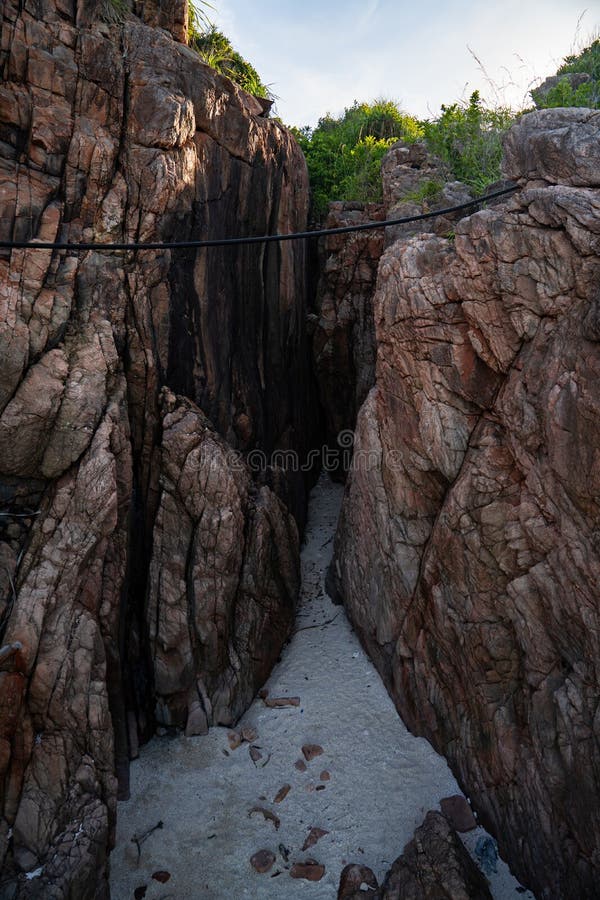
435,865
112,130
357,882
459,813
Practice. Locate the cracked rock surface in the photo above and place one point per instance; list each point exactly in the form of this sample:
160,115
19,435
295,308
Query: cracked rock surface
146,580
467,551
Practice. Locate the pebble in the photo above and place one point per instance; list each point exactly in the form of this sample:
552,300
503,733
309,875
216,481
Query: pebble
314,835
310,870
311,751
262,861
162,875
282,793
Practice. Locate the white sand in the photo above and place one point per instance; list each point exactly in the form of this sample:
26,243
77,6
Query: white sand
383,780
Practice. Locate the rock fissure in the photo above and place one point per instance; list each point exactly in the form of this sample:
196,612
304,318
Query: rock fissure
147,403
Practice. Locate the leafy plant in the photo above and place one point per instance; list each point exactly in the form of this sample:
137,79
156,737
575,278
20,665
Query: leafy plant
468,138
427,190
198,20
567,92
344,154
217,51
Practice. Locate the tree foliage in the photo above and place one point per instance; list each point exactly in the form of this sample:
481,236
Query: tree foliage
344,154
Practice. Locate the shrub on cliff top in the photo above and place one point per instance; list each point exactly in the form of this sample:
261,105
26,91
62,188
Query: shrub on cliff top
566,90
344,154
468,138
217,51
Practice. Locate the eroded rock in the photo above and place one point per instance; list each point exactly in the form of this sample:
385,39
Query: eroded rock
435,864
112,130
466,550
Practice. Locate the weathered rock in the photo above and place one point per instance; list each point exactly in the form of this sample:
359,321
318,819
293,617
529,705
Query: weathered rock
309,870
262,861
224,575
435,864
467,549
112,130
344,331
357,882
343,327
459,813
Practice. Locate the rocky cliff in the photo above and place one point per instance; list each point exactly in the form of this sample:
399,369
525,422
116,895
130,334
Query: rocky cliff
467,552
148,573
343,324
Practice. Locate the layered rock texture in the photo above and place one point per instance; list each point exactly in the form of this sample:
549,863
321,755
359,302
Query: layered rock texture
435,864
343,324
148,572
467,551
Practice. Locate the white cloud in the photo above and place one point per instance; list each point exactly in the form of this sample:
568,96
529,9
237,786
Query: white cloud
321,55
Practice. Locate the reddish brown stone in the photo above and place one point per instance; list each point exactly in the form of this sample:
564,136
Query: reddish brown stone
314,835
309,870
162,875
300,765
311,751
281,702
467,550
353,878
282,793
262,861
459,813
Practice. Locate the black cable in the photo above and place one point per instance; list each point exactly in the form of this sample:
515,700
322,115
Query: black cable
265,239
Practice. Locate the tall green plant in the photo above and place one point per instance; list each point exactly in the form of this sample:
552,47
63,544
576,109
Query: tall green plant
217,51
344,154
468,138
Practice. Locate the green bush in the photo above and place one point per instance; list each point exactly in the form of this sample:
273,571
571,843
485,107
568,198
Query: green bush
344,154
563,93
216,50
468,138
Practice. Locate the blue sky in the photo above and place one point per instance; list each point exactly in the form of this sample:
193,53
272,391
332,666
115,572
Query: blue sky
321,55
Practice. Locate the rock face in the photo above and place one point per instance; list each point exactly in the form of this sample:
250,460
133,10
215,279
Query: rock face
467,551
344,345
224,576
435,864
144,575
344,328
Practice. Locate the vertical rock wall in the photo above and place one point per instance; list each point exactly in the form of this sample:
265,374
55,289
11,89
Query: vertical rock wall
467,551
143,571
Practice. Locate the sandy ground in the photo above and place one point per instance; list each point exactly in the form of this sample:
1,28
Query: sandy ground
382,779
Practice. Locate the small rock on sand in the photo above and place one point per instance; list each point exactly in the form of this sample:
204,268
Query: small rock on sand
352,879
310,870
300,765
311,751
262,861
314,835
282,793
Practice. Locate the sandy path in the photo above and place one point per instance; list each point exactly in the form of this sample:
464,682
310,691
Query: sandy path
383,780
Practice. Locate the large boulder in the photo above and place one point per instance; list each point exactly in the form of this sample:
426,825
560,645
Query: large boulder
467,550
111,129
